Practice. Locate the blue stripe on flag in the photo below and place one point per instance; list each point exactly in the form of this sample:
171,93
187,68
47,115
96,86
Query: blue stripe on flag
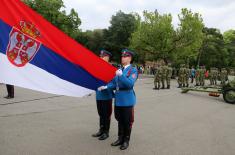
53,63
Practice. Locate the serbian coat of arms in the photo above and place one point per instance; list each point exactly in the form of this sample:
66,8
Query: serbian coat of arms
23,44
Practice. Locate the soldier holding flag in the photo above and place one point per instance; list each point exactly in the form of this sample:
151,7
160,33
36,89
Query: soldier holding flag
104,105
125,98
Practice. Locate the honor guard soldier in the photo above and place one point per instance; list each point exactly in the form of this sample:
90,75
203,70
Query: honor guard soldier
104,105
10,91
125,98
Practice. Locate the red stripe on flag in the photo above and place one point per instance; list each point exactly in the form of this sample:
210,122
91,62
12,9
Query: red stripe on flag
14,11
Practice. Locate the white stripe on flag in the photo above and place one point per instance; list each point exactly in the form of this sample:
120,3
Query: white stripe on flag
36,78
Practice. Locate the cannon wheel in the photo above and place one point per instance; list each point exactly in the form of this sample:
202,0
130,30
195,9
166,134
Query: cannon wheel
229,96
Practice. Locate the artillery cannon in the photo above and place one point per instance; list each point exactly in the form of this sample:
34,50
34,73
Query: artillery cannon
227,90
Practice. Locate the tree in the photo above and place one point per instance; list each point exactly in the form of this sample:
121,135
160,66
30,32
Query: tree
93,40
214,53
229,39
229,36
51,10
154,36
189,36
118,34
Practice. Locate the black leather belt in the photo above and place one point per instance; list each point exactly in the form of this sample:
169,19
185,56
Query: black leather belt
124,89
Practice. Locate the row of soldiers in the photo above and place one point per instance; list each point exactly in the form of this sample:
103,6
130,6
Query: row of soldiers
183,76
200,76
201,73
162,76
214,75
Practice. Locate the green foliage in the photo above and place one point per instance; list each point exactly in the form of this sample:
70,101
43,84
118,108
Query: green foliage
51,10
229,36
213,51
189,35
153,38
117,35
93,40
229,39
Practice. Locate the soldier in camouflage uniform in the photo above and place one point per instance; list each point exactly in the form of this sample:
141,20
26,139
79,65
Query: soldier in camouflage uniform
163,76
168,75
232,71
180,76
184,76
202,75
157,78
223,75
197,76
188,72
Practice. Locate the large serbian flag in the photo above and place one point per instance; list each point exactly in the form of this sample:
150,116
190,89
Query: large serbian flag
35,54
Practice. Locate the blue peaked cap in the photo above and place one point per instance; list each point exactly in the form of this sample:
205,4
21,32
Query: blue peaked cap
105,53
126,52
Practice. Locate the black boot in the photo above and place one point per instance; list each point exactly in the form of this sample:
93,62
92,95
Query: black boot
180,85
125,144
10,91
105,134
98,134
118,142
7,97
120,139
168,86
126,139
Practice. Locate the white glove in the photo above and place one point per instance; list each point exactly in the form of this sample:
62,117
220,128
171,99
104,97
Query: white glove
102,88
119,72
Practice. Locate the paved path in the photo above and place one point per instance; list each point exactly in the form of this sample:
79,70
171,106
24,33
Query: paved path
166,123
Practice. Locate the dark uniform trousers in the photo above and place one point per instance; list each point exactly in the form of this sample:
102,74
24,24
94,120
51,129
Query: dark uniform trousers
10,91
104,108
125,117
